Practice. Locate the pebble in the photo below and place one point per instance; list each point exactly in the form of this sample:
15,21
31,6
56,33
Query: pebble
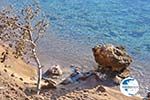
7,96
105,94
100,89
12,89
27,83
20,88
12,75
85,90
16,85
21,79
148,94
7,66
27,98
5,70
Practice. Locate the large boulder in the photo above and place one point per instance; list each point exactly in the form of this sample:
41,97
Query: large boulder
111,57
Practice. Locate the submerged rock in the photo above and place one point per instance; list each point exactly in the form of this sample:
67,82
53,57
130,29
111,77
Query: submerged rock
112,58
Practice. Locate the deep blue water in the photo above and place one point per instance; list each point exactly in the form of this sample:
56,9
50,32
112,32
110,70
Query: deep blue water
78,25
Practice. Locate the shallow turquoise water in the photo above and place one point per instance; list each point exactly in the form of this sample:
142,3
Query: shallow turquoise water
78,25
90,22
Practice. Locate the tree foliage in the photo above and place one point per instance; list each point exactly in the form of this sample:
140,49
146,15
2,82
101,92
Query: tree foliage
16,26
21,29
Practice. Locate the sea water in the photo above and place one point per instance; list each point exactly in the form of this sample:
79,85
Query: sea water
78,25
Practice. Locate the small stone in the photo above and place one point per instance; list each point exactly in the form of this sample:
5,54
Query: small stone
99,94
5,70
27,98
26,83
20,88
16,85
54,70
12,75
9,66
85,90
32,78
100,89
7,96
5,66
7,92
63,88
117,80
13,89
50,84
10,45
125,73
148,95
11,84
21,79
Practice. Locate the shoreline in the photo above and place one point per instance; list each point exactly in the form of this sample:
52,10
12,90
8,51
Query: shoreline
62,52
73,91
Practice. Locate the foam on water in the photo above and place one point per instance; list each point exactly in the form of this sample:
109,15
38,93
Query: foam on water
78,25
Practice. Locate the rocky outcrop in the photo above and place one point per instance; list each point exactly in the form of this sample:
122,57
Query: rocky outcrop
111,57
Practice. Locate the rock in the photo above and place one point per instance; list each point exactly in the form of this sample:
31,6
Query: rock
21,79
27,83
51,84
148,96
124,74
55,70
13,89
117,80
20,88
111,57
78,76
5,70
8,96
3,57
33,78
100,89
27,98
7,66
12,75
